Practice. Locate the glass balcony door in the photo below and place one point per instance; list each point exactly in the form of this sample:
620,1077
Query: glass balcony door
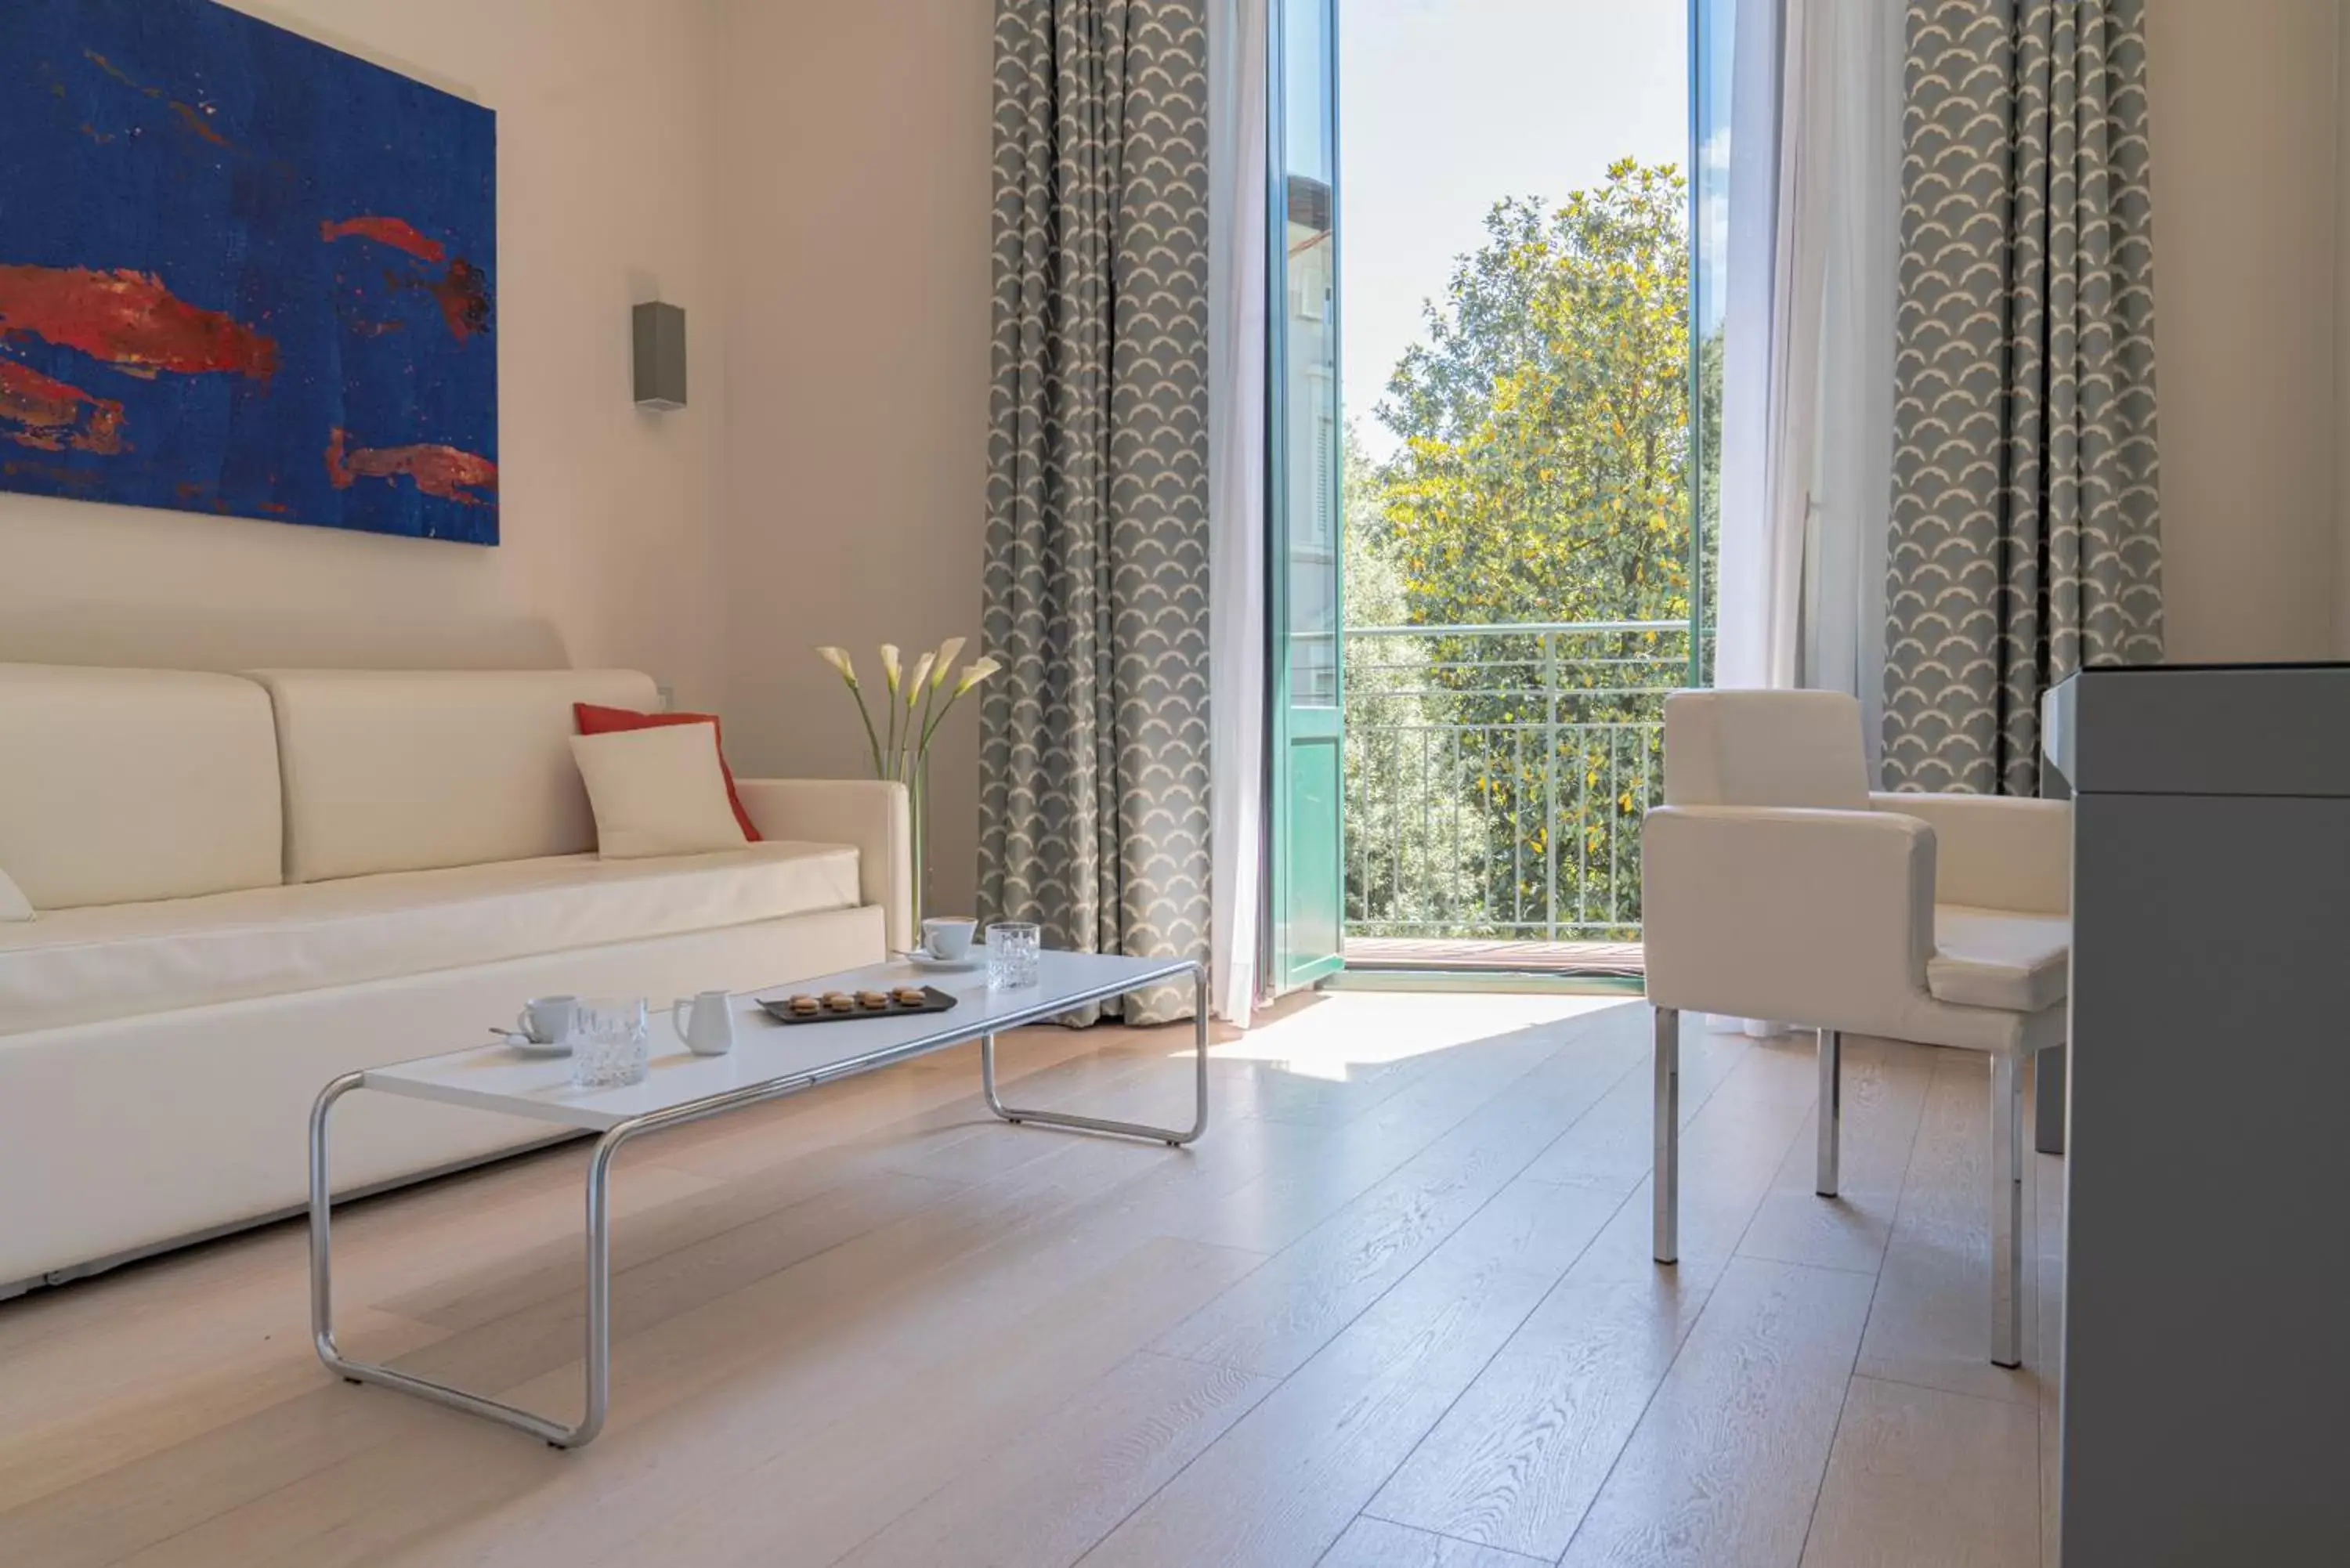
1307,757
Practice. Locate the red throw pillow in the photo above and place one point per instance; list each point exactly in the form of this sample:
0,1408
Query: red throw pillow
596,720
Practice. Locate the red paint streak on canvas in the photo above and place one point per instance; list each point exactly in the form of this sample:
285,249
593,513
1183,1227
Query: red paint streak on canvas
84,479
464,295
190,116
397,233
130,320
195,120
53,416
440,470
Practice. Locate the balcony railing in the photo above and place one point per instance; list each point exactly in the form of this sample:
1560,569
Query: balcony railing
1497,776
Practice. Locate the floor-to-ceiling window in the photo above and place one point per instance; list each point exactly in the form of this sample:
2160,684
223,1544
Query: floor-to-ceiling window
1529,312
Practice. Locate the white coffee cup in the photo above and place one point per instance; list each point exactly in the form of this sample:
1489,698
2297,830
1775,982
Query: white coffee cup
545,1019
705,1022
948,937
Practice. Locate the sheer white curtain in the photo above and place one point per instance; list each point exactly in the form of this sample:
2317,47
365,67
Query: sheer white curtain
1852,487
1807,431
1237,200
1807,374
1769,350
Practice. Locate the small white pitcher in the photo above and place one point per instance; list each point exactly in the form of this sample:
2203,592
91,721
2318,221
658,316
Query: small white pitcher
705,1023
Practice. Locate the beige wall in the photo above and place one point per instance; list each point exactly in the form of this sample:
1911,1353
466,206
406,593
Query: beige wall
610,517
2245,129
857,160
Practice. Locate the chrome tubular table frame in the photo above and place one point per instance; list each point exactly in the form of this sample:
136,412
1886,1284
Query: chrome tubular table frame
598,1348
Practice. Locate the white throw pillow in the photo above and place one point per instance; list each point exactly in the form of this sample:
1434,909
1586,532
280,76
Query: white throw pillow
13,906
656,792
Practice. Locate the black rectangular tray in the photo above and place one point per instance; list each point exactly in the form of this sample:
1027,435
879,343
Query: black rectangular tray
781,1011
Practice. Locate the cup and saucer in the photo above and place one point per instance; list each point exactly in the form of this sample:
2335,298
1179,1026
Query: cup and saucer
543,1028
946,944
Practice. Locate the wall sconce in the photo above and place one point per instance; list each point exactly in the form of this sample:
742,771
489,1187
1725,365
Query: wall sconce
660,356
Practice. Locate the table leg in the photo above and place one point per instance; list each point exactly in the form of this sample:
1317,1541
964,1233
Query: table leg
600,1292
1168,1135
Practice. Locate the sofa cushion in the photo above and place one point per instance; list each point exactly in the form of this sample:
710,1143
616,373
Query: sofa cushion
409,771
594,720
82,966
118,785
1992,957
658,792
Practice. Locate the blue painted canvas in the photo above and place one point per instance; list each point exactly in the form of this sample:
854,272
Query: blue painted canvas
241,272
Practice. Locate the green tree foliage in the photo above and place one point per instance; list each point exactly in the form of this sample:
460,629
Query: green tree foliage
1545,467
1544,476
1403,868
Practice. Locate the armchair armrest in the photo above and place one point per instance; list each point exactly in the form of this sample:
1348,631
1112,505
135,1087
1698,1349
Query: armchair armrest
1996,852
1820,918
872,815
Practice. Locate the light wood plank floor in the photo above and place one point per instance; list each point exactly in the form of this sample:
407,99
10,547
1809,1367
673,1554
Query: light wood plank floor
1395,1309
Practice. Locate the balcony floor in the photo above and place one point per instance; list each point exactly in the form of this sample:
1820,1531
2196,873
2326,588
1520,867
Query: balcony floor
1486,954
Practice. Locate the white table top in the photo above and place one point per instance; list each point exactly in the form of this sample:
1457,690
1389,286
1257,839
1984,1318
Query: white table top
497,1077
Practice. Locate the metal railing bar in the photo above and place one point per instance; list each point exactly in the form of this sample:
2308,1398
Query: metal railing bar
1521,629
1590,693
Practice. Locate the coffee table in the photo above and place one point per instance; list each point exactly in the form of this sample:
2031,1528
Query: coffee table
769,1061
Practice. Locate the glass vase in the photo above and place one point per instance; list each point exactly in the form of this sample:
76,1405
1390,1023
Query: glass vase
913,769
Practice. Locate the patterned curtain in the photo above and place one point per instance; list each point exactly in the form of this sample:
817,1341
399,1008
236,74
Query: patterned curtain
2025,537
1094,799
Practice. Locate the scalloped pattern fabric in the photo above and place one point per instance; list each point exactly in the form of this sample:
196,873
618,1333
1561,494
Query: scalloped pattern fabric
1094,800
2025,537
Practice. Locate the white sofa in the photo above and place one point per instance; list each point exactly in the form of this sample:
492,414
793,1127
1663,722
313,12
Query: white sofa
247,885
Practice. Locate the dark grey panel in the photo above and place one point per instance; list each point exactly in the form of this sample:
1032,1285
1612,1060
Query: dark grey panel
2212,730
2207,1366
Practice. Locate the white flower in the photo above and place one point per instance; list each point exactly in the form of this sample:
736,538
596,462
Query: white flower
921,673
976,671
890,669
946,657
838,659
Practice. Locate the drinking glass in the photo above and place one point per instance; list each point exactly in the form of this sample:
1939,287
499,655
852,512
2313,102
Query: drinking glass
610,1043
1012,949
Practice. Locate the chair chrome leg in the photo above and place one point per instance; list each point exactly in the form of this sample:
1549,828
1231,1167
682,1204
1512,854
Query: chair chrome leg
1666,1181
1171,1136
2006,1211
1831,1112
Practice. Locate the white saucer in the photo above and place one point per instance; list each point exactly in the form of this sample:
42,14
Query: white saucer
923,959
530,1047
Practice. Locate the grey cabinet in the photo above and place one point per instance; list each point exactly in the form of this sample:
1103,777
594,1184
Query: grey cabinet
2206,1414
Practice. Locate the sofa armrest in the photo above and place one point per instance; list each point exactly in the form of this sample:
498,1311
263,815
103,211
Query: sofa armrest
1819,918
872,815
1996,852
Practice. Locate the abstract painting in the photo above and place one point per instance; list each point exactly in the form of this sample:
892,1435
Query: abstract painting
242,273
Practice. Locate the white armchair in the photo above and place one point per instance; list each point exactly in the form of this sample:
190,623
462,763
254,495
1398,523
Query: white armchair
1775,885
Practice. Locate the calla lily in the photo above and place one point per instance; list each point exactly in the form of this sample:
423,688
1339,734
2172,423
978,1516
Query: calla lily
899,742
